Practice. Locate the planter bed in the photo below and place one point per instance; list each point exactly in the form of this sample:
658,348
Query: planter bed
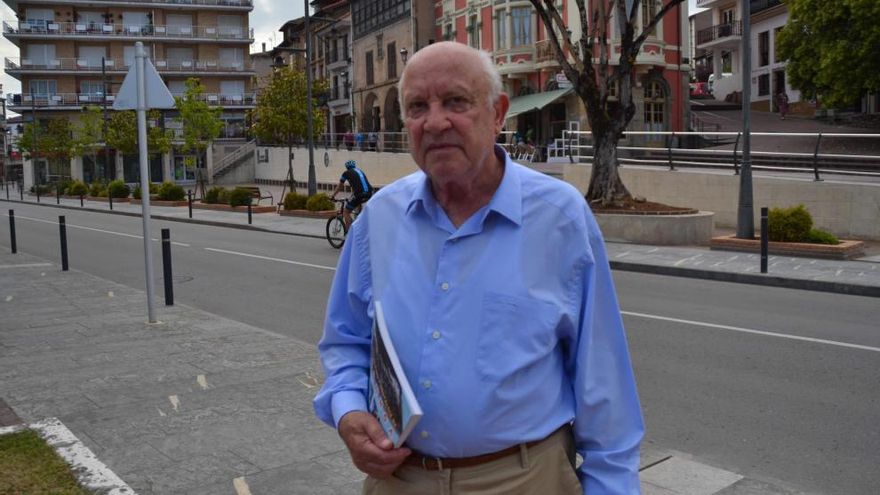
222,207
843,251
308,213
161,202
106,200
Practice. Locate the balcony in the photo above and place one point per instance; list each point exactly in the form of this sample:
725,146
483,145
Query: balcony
239,5
16,30
15,66
75,101
545,55
756,6
720,34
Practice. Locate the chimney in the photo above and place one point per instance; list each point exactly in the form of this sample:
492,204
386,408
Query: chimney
264,47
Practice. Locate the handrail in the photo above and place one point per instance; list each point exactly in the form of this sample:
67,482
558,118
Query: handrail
232,158
46,28
120,65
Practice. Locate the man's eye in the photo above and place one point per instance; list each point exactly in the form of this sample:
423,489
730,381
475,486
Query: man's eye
458,103
416,107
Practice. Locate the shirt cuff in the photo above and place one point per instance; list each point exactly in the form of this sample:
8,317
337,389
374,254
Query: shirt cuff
345,402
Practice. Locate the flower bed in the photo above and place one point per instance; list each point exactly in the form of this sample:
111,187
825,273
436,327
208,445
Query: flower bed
307,213
847,249
223,207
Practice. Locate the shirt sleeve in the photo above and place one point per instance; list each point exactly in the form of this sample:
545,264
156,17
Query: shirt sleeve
608,424
345,346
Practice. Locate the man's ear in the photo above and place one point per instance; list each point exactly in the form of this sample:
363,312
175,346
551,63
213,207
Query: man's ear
501,107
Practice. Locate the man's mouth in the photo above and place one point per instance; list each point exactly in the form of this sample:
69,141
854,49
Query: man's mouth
440,146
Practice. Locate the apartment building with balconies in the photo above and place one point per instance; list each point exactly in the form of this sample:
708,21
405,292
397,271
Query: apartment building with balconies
75,53
542,101
333,63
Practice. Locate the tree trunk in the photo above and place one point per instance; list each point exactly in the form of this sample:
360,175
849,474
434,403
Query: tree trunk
290,183
605,184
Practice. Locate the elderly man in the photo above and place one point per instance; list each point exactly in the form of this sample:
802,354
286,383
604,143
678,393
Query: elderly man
499,299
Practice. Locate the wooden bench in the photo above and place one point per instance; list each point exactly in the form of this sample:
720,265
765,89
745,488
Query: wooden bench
259,195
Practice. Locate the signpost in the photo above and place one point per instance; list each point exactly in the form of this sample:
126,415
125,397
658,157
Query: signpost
142,88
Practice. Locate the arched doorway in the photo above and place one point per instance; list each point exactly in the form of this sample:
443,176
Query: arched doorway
656,105
370,120
393,135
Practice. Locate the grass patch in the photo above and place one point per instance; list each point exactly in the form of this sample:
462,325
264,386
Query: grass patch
30,465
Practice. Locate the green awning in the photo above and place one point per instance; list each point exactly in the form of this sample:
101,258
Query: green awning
537,101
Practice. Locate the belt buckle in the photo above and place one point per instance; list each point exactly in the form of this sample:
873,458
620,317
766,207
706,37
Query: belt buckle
425,460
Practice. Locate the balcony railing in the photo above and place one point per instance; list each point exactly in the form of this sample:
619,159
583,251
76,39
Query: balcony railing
25,101
544,52
44,28
208,3
719,31
121,65
756,6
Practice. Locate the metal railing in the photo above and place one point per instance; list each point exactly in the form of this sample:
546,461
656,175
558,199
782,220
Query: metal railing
386,142
65,29
122,65
241,155
664,150
78,99
719,31
195,3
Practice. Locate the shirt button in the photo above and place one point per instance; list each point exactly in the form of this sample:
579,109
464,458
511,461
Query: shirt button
444,286
435,335
426,384
424,434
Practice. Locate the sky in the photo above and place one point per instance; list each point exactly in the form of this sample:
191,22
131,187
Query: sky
266,18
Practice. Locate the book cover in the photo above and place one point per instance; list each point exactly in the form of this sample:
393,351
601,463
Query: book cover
391,398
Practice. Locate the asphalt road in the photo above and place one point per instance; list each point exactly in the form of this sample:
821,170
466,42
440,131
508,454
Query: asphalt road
773,407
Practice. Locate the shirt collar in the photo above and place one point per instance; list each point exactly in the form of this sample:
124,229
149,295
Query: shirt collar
507,200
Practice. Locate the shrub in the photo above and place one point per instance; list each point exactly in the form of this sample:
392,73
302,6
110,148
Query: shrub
154,188
118,189
63,185
239,197
77,188
789,224
295,201
98,189
223,196
40,189
136,192
319,202
213,194
817,236
170,191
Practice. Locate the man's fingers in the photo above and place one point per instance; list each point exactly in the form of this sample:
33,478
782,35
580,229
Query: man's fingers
377,434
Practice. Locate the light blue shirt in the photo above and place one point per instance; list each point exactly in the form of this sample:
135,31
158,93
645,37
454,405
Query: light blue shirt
507,327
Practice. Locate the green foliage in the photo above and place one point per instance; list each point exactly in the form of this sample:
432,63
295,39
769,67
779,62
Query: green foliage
789,224
170,191
122,133
98,189
817,236
62,186
223,196
136,193
41,189
212,195
240,197
319,202
77,188
89,132
54,140
118,189
281,110
30,465
201,122
831,49
295,201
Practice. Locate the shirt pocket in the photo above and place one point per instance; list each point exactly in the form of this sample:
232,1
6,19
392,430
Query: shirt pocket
515,334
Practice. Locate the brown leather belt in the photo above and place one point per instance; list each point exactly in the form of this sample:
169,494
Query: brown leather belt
439,463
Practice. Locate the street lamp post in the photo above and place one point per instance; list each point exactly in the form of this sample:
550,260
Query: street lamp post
313,187
745,219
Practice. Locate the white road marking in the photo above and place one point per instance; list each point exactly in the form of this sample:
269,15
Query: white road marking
161,412
111,232
110,293
8,298
25,265
755,332
202,381
42,274
267,258
241,486
175,402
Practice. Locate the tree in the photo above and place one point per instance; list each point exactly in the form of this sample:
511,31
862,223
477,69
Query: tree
587,63
54,142
832,49
89,133
281,111
201,123
122,133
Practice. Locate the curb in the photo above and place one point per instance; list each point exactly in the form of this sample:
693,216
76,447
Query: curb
750,278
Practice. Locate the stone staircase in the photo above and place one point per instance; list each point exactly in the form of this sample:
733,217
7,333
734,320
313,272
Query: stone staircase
246,153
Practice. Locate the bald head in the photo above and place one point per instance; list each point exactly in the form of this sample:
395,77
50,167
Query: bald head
452,53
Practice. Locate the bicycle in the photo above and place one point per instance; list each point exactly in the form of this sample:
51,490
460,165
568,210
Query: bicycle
336,230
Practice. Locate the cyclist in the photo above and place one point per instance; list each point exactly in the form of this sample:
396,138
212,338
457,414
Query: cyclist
360,187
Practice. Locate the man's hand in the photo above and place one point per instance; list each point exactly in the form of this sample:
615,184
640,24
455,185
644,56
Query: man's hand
371,451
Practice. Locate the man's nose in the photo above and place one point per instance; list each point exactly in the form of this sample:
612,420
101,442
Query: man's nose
436,119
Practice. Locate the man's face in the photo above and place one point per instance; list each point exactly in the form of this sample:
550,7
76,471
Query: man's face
451,125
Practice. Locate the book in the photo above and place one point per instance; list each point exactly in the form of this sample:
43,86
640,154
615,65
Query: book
391,398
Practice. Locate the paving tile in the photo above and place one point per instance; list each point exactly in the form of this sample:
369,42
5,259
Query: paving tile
688,477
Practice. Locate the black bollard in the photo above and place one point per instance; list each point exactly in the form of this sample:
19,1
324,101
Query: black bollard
21,191
110,198
58,194
12,231
189,197
250,217
166,267
37,189
7,190
80,200
765,242
62,229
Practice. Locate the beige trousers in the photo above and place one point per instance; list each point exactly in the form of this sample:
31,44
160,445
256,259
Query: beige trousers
544,469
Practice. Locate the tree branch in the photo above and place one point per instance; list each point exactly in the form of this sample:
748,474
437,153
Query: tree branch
637,44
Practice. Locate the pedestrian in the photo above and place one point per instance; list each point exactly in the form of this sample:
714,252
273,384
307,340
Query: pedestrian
348,139
498,297
782,104
374,140
359,141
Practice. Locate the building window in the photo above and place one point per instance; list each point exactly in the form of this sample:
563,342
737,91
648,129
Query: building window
474,31
40,55
448,33
91,88
655,106
649,10
230,26
764,48
368,64
501,29
392,60
775,41
726,62
521,26
231,58
42,88
764,85
728,16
